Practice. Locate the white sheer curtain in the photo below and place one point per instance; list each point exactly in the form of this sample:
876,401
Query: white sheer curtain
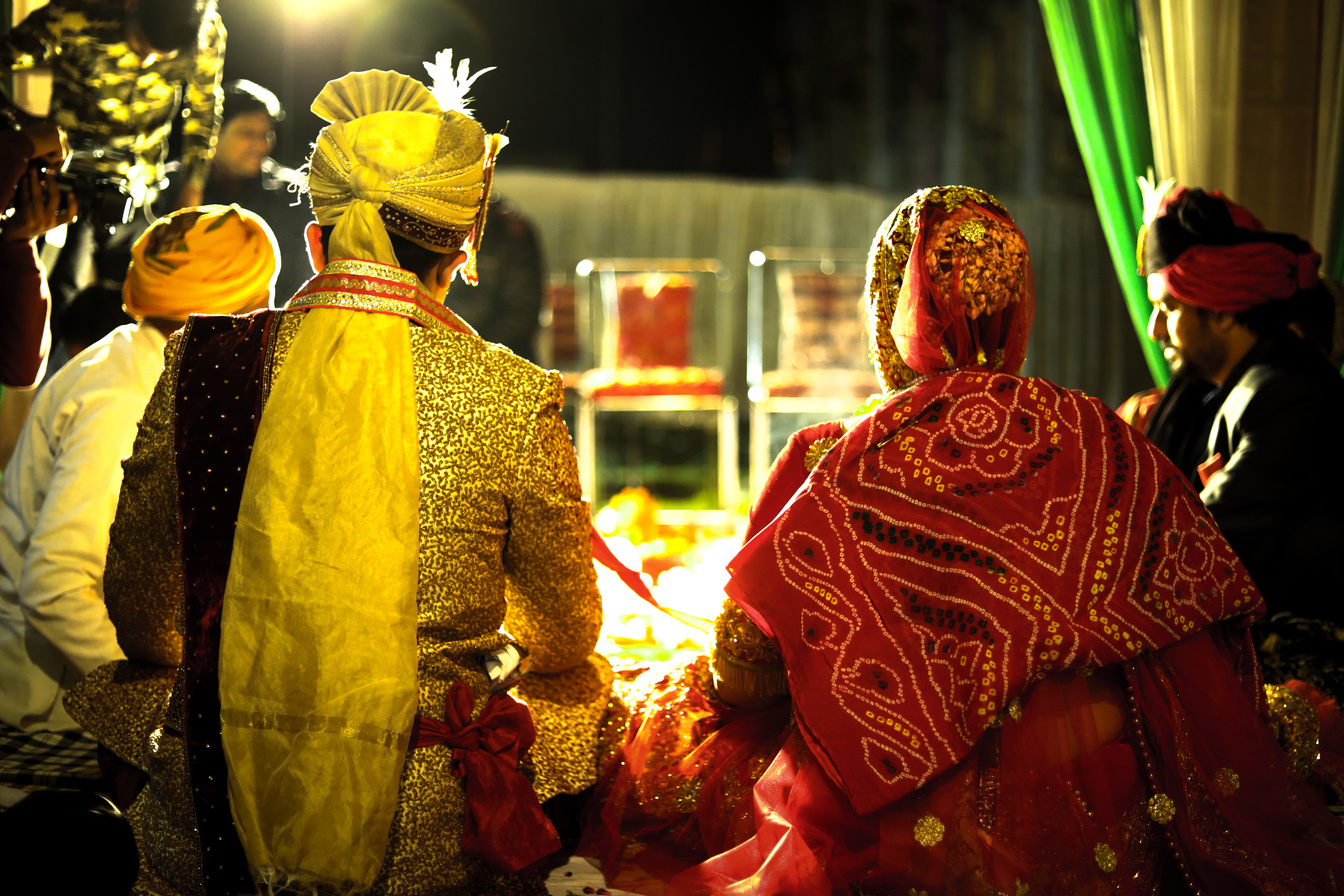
1083,339
1190,58
1248,97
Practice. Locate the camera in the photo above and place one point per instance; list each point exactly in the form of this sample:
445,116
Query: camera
104,198
95,175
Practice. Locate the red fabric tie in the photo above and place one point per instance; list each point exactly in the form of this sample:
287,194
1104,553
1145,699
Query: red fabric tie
504,824
602,554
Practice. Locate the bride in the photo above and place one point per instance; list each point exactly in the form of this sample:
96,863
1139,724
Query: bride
982,639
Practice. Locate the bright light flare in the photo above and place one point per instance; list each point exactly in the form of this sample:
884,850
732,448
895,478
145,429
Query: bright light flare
313,11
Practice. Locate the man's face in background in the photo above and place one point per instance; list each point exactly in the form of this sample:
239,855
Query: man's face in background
1188,342
244,143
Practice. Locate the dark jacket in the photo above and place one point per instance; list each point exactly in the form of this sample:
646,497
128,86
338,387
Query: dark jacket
1277,421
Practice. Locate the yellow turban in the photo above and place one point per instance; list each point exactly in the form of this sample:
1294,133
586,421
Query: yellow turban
214,259
398,158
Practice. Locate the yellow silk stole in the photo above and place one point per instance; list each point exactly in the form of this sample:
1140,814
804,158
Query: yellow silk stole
317,654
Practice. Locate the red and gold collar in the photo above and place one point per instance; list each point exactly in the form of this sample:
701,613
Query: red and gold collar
378,288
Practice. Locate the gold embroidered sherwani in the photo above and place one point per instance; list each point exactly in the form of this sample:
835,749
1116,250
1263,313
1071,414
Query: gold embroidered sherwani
499,513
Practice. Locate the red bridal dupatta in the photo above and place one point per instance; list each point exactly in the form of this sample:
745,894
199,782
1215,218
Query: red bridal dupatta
974,535
966,583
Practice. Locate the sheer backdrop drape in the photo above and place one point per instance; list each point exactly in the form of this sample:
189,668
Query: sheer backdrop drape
1248,98
1083,336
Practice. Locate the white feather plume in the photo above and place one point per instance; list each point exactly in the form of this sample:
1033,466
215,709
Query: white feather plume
1153,194
449,88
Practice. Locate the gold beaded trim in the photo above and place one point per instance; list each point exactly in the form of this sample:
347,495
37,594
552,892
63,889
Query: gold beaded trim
1105,858
269,721
425,234
380,288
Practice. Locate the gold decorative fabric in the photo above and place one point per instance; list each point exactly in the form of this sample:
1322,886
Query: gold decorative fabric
213,259
499,527
569,709
1297,727
501,515
123,701
142,581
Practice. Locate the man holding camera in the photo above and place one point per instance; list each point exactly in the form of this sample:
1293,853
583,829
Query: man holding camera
120,70
24,157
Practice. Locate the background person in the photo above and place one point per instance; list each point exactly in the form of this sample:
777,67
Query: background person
59,490
243,173
120,70
27,155
1225,293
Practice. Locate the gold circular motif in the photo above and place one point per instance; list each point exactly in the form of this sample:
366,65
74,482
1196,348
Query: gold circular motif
1226,781
816,451
971,231
1161,808
928,831
1105,858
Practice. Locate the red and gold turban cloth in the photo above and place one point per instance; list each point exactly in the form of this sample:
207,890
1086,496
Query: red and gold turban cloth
1213,253
949,286
214,259
401,158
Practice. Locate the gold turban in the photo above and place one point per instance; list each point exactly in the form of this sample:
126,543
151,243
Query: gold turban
214,259
398,158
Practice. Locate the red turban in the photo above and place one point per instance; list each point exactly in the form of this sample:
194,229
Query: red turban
1213,253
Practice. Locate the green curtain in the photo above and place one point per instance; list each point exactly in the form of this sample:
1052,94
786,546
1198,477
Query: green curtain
1334,249
1095,45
